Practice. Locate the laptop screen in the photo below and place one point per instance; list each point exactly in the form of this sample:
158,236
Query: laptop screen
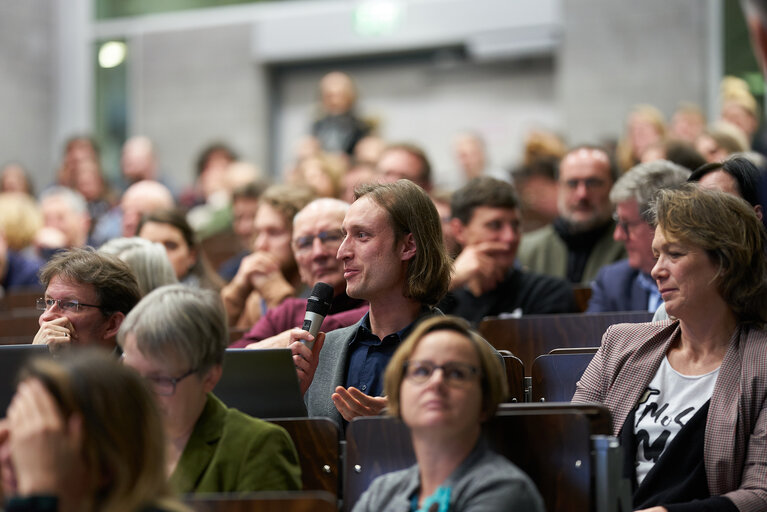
12,358
261,383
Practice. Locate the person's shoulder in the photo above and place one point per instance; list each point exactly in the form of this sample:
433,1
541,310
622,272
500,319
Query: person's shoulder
537,279
618,268
388,489
544,293
340,335
539,236
628,336
757,342
246,429
495,465
22,270
395,479
539,247
495,479
290,305
241,422
650,328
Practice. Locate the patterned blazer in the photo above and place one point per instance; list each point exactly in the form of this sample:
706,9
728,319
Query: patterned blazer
735,441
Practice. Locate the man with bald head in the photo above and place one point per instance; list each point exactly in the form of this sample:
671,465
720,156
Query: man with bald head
143,197
140,198
317,235
579,242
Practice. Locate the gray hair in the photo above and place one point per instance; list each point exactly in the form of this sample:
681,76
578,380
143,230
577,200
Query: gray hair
322,205
148,261
642,182
76,201
179,322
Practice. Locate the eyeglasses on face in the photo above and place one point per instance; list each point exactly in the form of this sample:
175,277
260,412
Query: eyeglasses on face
625,226
454,373
166,386
591,183
305,243
73,306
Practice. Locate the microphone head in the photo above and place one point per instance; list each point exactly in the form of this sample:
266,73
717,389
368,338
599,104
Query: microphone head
321,298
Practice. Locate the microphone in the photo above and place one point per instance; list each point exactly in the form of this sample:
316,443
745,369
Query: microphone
317,307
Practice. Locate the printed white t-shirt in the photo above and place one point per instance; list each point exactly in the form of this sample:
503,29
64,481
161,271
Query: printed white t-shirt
669,402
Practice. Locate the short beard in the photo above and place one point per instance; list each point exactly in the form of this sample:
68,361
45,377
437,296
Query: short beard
595,221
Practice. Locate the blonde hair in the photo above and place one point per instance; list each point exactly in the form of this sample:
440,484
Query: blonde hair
123,445
330,166
625,151
287,200
20,219
492,374
736,90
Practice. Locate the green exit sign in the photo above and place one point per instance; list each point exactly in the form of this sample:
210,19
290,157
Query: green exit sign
378,17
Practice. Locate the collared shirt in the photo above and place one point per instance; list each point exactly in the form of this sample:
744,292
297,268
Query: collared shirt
369,355
654,298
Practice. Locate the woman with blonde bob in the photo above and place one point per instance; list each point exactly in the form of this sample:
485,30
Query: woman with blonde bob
688,396
83,433
444,381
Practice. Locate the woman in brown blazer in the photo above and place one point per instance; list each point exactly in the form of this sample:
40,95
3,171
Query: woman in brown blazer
688,396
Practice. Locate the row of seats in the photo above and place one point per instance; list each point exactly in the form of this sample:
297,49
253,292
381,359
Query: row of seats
556,452
533,374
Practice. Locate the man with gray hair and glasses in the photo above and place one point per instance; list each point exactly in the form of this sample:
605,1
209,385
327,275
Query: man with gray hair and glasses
317,235
87,296
626,285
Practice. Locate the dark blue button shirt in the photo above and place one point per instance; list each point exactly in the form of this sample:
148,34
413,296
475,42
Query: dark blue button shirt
369,355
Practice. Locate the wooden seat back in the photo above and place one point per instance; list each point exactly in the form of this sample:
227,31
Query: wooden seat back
534,335
582,294
515,377
317,442
19,323
554,376
21,298
551,442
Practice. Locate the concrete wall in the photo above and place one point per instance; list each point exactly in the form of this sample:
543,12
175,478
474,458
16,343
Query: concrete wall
616,54
191,87
193,81
27,68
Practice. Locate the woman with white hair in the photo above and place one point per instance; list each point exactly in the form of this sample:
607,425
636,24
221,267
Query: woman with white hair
148,261
175,338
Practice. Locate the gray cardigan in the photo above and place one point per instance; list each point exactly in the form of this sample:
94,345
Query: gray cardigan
484,482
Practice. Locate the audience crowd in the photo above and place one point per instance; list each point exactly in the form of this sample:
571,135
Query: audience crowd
229,260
